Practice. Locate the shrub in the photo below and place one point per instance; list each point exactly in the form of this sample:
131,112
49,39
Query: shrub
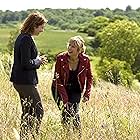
138,76
115,71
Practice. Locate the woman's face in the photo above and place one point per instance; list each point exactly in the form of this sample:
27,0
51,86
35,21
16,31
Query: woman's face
38,29
73,49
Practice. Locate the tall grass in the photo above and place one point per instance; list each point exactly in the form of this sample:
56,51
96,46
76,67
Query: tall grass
113,112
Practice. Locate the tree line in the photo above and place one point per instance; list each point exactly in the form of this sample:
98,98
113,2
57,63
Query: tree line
70,18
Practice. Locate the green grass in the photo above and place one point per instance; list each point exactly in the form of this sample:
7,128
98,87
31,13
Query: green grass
4,36
53,41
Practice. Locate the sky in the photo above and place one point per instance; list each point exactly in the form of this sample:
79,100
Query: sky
18,5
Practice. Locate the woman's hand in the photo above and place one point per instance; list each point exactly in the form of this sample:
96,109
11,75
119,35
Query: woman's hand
85,99
44,59
67,105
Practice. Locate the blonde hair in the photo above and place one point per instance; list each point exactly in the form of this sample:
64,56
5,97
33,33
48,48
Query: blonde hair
34,19
78,42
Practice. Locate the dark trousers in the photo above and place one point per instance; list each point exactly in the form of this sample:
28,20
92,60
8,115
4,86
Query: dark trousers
69,113
32,110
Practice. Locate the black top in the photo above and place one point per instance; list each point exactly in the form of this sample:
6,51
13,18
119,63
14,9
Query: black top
73,83
25,61
73,87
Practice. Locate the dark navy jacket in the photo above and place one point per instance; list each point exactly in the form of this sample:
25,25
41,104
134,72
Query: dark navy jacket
25,61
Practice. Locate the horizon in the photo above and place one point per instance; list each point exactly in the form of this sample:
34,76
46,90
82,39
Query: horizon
69,4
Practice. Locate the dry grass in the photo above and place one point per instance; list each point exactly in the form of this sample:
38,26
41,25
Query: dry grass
113,112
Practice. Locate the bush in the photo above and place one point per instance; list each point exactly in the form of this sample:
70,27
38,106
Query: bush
115,71
138,76
95,42
91,32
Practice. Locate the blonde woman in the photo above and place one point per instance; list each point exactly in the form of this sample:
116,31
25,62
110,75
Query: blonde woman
72,74
24,74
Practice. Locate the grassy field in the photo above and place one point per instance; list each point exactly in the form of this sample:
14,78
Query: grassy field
4,36
112,113
53,41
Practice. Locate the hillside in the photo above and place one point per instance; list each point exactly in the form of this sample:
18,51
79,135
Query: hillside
111,113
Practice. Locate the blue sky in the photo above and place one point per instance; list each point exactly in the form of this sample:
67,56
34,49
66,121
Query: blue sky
17,5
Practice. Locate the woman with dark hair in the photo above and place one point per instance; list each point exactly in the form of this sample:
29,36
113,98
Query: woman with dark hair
24,74
72,77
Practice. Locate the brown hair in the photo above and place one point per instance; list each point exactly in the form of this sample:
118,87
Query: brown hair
79,42
33,20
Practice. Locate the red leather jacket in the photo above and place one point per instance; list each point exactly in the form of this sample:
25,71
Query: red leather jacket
61,75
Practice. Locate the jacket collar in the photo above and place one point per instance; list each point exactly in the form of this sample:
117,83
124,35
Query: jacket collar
82,62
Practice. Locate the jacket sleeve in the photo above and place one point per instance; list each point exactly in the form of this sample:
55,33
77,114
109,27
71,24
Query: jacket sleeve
58,82
25,51
89,80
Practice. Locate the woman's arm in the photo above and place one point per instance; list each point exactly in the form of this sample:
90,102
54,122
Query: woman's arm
25,51
89,80
58,82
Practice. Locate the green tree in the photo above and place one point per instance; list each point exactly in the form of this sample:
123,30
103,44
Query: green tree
120,40
95,25
128,8
115,71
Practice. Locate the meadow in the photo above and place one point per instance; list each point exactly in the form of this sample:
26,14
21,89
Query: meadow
4,37
112,113
50,40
